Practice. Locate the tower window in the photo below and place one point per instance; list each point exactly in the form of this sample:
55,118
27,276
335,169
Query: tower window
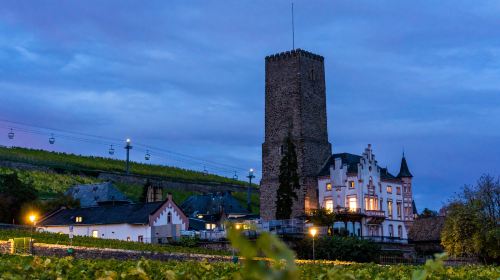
328,186
389,189
312,75
351,184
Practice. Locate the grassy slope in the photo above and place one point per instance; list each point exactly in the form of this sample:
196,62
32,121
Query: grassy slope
71,162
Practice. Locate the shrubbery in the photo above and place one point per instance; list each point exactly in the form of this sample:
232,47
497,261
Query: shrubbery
339,248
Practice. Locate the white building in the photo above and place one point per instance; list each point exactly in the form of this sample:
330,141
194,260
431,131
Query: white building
368,200
156,222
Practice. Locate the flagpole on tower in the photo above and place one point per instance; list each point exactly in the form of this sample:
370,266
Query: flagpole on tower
293,31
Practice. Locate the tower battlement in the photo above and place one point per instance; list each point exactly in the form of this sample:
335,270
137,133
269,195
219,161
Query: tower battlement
294,53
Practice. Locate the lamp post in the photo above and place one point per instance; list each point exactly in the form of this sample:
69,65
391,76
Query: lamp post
128,147
313,231
32,219
249,194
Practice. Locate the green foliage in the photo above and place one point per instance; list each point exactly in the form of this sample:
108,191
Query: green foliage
254,200
471,226
90,164
427,213
23,267
288,181
63,239
267,258
14,193
339,248
47,183
322,217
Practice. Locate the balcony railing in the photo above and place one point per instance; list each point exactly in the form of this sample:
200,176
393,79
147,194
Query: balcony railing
386,239
375,213
345,210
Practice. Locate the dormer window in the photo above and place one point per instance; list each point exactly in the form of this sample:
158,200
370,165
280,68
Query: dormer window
328,186
78,219
351,184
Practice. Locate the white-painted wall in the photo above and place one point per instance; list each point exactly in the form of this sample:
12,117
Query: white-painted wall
176,218
115,231
367,168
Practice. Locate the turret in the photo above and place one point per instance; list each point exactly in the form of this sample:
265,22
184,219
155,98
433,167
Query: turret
404,171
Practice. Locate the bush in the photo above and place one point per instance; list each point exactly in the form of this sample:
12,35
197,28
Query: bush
339,248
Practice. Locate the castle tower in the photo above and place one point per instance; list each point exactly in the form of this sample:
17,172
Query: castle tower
295,106
406,179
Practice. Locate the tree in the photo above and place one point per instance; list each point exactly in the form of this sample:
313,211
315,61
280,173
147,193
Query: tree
472,221
288,181
14,194
427,213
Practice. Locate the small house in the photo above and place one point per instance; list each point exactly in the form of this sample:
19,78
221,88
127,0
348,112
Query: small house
157,222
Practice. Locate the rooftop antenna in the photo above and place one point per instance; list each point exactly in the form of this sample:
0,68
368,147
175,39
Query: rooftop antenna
293,31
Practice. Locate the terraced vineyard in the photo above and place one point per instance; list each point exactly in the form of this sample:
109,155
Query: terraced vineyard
77,163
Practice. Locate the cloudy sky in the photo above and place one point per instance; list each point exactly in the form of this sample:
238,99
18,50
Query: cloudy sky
188,77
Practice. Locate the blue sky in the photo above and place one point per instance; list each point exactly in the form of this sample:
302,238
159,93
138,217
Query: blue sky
188,76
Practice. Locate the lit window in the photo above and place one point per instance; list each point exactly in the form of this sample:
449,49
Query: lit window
371,203
353,203
95,234
210,226
389,208
328,186
329,205
351,184
398,190
79,219
389,189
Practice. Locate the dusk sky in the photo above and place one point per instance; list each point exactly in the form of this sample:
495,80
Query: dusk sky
188,77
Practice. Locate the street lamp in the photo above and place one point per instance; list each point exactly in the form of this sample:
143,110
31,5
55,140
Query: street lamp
249,194
32,219
128,147
313,231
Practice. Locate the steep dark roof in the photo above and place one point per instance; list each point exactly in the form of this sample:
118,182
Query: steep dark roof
95,194
426,229
385,175
212,203
137,213
350,159
404,171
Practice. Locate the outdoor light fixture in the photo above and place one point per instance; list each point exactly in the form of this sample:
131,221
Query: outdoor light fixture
32,218
313,231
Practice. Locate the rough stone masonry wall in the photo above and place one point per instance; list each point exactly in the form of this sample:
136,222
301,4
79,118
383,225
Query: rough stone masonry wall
295,106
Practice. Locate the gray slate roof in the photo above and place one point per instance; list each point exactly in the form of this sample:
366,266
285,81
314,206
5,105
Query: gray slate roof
404,171
137,213
212,204
351,160
95,194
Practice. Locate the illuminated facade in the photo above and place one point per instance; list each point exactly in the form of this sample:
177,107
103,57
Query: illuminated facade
368,200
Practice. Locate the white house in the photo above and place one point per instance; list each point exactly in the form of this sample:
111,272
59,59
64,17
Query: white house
369,201
156,222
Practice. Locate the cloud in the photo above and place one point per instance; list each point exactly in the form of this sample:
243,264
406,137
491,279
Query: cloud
190,77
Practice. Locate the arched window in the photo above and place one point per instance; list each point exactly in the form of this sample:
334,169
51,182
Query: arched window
169,218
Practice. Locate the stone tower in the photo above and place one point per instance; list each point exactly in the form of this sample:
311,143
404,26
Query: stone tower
295,105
